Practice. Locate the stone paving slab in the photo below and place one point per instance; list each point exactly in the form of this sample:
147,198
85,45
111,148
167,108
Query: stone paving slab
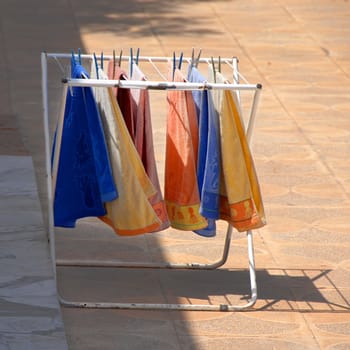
30,316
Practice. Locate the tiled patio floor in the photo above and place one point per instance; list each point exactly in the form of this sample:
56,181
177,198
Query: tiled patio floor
299,52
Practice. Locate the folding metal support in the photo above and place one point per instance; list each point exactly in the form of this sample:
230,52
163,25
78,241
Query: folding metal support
160,265
178,307
152,265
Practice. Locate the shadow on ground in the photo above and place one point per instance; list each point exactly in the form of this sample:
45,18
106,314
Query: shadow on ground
290,290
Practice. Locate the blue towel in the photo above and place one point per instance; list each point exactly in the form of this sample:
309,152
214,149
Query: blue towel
209,155
84,176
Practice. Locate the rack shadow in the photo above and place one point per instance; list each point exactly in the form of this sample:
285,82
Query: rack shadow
278,290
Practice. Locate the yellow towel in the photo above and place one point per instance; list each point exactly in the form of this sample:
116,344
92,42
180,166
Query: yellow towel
241,202
131,213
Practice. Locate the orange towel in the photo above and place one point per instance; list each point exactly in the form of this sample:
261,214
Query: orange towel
241,202
131,213
181,189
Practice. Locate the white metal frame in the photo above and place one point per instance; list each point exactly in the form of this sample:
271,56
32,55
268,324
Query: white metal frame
156,85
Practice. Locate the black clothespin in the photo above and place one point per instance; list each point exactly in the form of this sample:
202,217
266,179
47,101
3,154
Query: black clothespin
131,62
180,60
120,58
174,65
96,66
72,65
113,64
137,56
195,61
198,58
101,64
72,61
214,70
79,55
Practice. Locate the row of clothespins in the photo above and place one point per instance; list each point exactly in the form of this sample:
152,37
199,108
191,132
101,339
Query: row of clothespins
177,63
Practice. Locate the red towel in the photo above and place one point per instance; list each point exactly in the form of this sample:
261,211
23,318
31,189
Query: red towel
143,140
124,98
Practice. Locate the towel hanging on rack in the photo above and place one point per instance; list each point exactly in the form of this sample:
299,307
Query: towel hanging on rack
144,144
84,178
241,202
181,189
209,154
137,116
125,101
131,213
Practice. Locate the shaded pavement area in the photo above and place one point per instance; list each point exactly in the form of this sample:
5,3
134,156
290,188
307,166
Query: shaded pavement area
299,52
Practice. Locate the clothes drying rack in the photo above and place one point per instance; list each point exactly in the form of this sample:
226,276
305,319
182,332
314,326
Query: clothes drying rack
151,85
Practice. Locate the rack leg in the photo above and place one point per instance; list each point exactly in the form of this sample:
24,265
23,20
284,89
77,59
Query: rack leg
252,273
178,307
44,85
